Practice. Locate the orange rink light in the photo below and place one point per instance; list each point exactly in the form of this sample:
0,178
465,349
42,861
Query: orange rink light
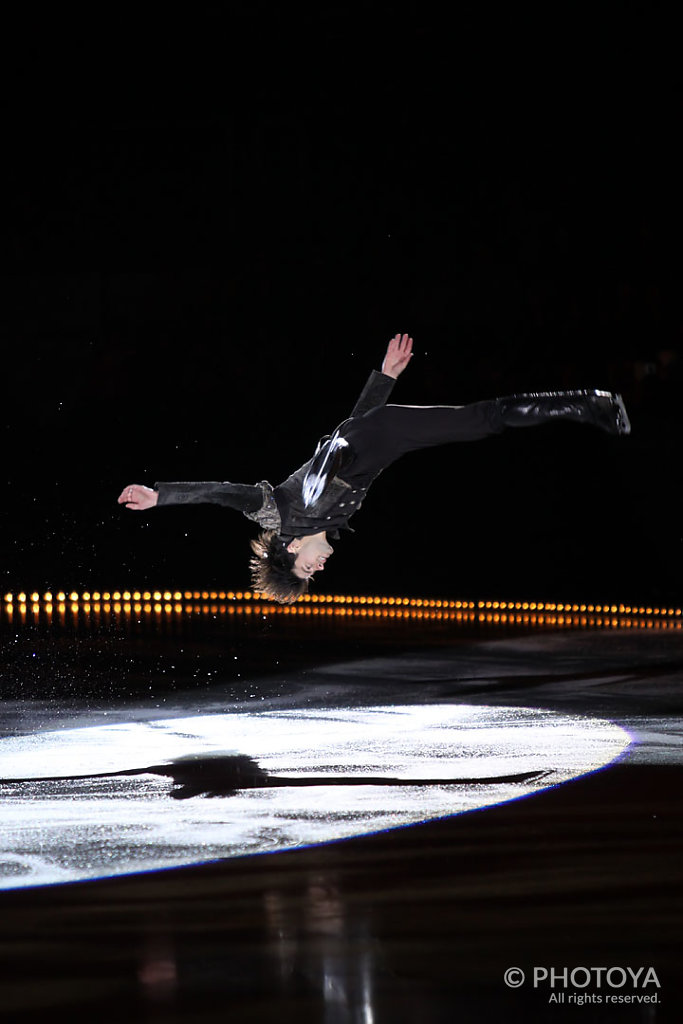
96,605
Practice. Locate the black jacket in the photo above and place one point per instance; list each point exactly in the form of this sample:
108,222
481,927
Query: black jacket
282,508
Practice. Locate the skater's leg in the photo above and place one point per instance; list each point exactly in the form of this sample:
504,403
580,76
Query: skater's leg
384,434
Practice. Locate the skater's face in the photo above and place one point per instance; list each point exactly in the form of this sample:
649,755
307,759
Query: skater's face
311,554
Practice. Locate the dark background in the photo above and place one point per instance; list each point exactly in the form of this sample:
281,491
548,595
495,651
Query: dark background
211,230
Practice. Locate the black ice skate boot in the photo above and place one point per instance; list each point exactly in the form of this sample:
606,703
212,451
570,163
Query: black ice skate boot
598,408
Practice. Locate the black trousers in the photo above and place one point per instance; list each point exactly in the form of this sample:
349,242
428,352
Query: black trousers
385,434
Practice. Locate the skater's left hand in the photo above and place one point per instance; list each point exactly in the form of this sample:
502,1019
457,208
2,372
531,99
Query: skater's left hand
399,354
138,497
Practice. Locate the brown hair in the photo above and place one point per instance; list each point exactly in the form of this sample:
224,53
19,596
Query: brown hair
271,569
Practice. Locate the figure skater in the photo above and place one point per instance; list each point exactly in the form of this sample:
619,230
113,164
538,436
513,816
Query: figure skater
297,516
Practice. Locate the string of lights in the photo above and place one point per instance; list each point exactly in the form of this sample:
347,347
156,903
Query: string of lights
31,606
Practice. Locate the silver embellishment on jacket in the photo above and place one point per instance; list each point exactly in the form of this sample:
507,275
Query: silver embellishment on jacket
268,516
316,478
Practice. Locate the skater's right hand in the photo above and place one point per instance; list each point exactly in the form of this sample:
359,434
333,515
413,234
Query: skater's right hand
399,354
138,497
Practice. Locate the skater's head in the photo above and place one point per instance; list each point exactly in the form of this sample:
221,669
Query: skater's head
310,553
281,570
272,566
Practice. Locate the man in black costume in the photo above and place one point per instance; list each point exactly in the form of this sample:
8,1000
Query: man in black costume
322,495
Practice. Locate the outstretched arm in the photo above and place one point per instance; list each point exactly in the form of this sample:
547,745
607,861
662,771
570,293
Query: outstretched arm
399,353
243,497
